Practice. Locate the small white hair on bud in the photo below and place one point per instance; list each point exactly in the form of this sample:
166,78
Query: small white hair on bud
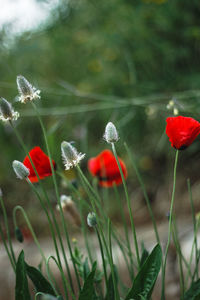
26,91
20,169
111,134
6,111
70,155
91,219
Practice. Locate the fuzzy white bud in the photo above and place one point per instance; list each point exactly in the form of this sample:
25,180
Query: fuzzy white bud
111,134
91,219
27,92
20,169
70,155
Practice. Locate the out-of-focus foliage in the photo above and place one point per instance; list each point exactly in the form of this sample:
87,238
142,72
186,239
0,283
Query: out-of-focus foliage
116,48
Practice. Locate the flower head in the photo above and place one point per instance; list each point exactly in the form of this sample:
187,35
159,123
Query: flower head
105,168
70,155
20,169
182,131
27,92
111,134
6,111
41,162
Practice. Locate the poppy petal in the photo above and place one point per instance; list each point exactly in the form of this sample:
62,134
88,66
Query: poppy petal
182,131
41,162
105,168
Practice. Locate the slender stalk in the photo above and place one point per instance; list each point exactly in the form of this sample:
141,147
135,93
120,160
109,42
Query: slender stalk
103,258
20,208
7,250
57,195
178,249
130,254
170,227
112,264
194,224
48,203
52,232
139,177
7,230
63,276
129,205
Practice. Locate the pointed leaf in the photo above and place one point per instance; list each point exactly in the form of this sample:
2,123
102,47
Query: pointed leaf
144,282
21,288
194,291
40,282
88,291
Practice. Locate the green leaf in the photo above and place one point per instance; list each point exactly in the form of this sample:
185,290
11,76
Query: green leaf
21,288
194,291
145,254
144,282
40,282
110,293
88,291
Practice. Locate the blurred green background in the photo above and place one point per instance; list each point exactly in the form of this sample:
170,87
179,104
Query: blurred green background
99,61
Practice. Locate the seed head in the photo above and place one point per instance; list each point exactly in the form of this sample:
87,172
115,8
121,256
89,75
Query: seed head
27,92
111,134
6,111
70,155
21,171
91,219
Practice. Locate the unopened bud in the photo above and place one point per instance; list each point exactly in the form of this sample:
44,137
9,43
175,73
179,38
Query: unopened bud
6,111
26,90
111,134
69,206
91,219
19,235
70,155
20,169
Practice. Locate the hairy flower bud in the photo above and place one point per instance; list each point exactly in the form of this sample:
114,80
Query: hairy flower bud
69,206
19,235
27,92
21,171
6,111
91,219
111,134
70,155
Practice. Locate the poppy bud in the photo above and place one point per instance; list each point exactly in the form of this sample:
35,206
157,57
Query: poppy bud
21,171
6,111
19,235
91,219
111,134
26,90
70,155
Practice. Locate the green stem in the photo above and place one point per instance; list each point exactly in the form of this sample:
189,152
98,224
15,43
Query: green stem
20,208
129,205
130,254
103,258
139,177
7,229
7,250
57,195
48,203
170,227
195,227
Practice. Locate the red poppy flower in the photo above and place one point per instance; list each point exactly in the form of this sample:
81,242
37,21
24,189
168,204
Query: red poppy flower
182,131
104,166
41,162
